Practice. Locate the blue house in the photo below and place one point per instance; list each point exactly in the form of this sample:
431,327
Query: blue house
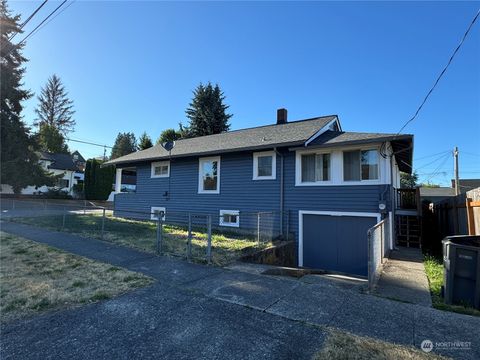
323,186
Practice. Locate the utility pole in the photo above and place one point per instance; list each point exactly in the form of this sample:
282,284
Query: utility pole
455,164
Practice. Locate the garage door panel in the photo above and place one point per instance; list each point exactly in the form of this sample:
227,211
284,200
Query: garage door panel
322,246
336,243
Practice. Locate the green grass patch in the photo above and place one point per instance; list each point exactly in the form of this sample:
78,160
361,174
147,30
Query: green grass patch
434,271
226,247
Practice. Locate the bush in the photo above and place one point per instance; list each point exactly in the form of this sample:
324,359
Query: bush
56,194
78,191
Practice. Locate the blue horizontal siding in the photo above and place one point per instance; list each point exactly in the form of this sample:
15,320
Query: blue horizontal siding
239,192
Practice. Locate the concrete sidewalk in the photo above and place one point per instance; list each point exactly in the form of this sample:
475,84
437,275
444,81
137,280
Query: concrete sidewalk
403,278
202,311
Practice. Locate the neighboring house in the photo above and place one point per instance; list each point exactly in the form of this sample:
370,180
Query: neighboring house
435,194
79,161
466,184
334,185
71,167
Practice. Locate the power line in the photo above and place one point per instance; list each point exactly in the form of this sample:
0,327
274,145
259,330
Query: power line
53,18
22,25
436,171
429,156
31,32
430,163
441,74
89,143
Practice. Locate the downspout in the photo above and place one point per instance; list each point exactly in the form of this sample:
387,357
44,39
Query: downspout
281,190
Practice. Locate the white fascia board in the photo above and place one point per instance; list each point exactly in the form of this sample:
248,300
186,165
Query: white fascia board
323,129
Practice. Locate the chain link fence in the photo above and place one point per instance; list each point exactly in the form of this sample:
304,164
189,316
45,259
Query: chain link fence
196,236
378,246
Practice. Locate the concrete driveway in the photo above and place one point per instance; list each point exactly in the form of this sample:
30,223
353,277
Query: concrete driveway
196,311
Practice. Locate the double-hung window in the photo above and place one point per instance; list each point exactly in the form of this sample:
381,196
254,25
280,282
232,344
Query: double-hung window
360,165
160,169
315,167
264,165
209,175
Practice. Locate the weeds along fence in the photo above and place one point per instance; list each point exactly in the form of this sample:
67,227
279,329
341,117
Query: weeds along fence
378,247
193,235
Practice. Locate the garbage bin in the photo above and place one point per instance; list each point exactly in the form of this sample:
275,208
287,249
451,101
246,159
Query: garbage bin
461,262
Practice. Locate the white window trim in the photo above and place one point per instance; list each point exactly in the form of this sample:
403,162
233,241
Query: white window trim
255,165
159,163
336,167
157,208
330,213
229,212
200,175
298,168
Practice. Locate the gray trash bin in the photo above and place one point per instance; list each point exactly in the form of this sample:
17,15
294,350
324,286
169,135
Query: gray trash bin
461,262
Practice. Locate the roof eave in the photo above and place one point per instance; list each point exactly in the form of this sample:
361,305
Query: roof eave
200,154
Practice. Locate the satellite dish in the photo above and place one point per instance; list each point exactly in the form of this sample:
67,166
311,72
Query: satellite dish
168,145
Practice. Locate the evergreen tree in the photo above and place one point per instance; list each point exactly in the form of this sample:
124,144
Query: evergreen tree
168,135
51,140
207,111
98,180
125,143
55,108
144,142
20,164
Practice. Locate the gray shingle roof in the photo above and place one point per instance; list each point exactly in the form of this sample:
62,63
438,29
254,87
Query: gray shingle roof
334,138
59,161
290,134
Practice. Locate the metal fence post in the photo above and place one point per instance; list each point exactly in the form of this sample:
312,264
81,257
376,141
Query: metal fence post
258,228
103,222
159,233
189,239
84,207
209,239
288,224
13,204
45,204
64,217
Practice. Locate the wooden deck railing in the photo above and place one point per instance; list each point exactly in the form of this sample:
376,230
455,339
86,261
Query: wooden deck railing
407,199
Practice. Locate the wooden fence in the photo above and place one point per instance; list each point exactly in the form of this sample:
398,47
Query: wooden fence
473,211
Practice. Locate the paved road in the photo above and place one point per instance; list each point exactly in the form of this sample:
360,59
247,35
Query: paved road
196,311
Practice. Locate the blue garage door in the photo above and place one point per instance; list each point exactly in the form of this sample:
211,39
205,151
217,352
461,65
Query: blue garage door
336,243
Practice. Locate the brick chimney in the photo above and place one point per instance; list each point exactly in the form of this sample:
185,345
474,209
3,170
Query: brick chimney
281,116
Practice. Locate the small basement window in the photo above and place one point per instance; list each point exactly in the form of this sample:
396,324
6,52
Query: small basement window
160,169
230,218
264,165
156,211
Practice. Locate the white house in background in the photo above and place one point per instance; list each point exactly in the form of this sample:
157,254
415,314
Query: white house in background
71,166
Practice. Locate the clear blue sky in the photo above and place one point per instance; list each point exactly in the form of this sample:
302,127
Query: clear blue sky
132,66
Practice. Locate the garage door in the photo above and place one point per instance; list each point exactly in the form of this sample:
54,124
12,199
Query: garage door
336,243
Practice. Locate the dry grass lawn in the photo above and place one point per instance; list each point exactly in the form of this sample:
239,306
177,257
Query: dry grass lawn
344,346
35,278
